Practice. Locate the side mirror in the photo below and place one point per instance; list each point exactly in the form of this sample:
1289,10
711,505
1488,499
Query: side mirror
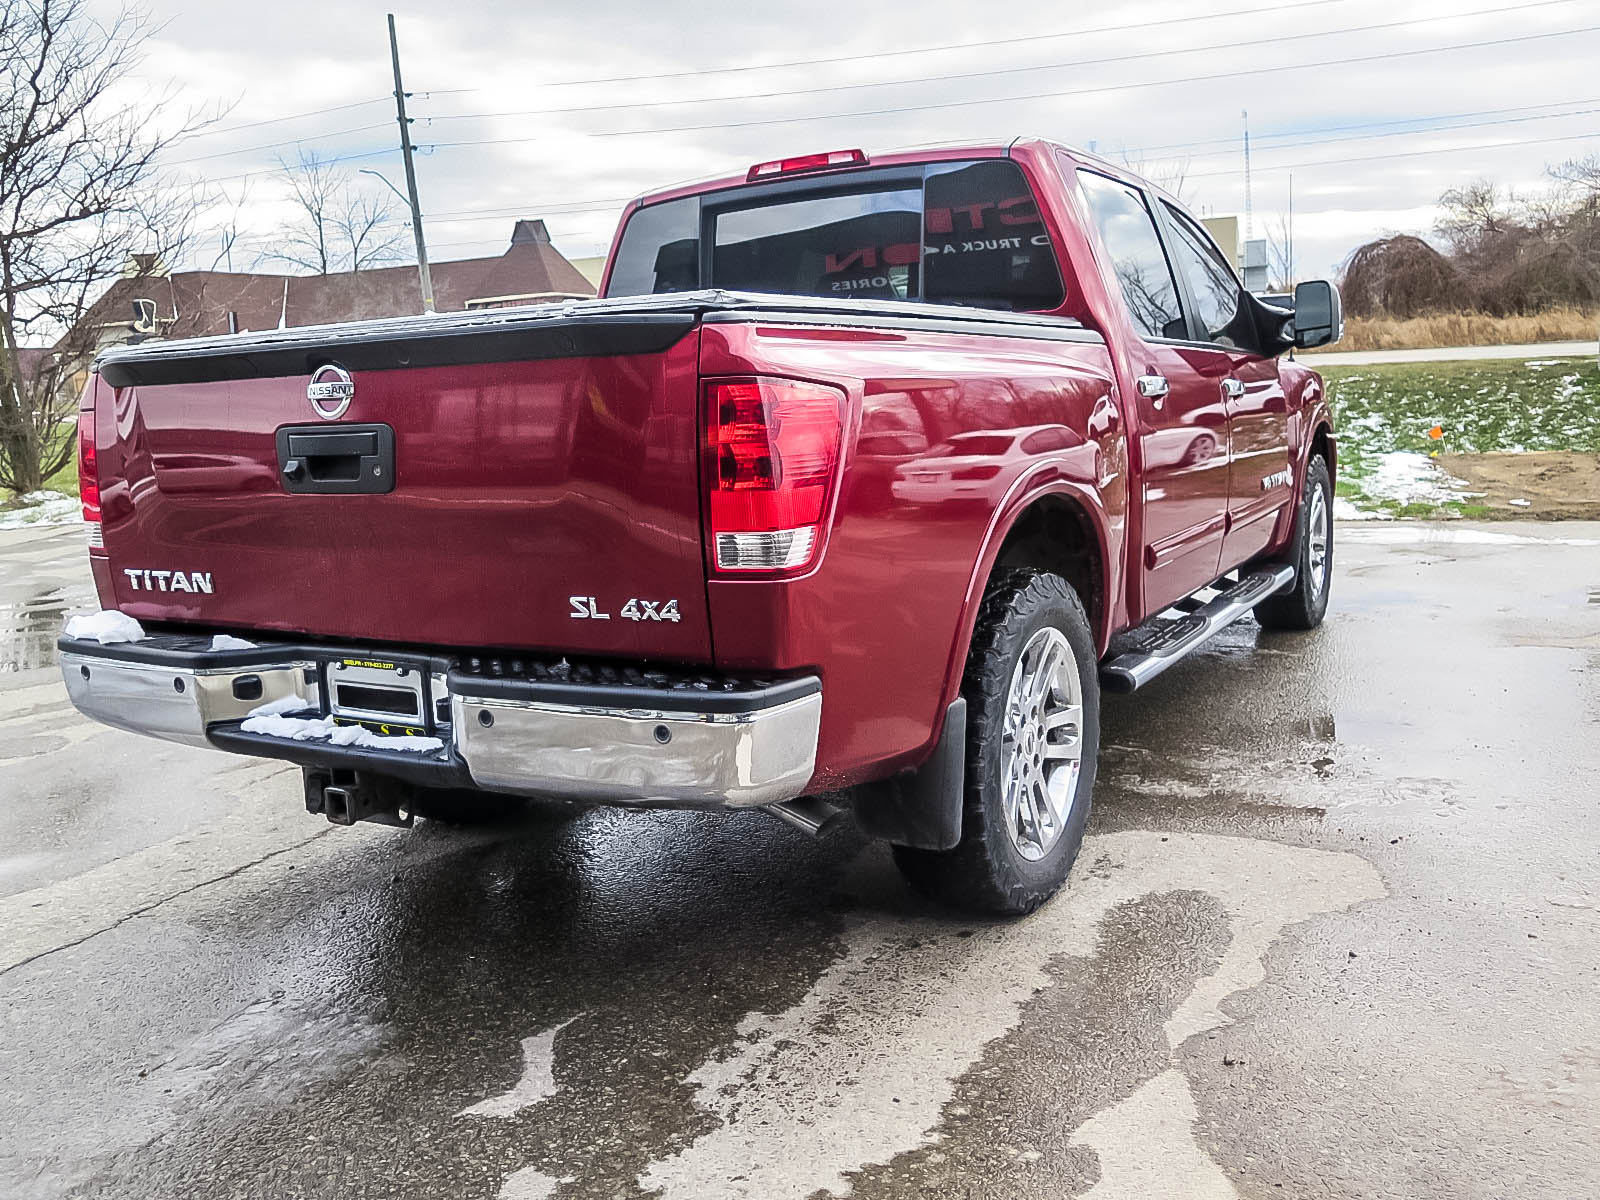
1318,314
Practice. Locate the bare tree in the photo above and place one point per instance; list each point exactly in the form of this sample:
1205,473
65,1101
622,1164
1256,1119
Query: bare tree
1474,214
81,197
1580,177
1583,173
1280,255
1170,174
338,225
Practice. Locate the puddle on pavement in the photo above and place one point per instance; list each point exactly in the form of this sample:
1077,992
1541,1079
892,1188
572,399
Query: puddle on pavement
28,630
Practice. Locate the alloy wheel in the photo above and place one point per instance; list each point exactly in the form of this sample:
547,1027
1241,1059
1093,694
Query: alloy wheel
1319,536
1042,743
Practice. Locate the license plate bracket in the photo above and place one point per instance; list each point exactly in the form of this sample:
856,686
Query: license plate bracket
384,695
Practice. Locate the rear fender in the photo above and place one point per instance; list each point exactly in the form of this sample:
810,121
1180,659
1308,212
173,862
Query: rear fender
1028,490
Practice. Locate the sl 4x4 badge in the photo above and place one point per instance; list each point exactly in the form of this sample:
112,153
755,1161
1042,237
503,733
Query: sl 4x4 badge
587,608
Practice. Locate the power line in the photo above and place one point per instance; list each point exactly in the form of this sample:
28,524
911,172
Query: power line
314,112
1070,92
327,162
598,206
1312,137
1365,158
1317,139
318,137
610,203
846,87
428,94
1256,139
997,71
1011,41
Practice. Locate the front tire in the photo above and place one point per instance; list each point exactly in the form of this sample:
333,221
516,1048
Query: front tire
1304,605
1033,732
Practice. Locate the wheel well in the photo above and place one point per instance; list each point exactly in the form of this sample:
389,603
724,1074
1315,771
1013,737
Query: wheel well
1323,445
1055,534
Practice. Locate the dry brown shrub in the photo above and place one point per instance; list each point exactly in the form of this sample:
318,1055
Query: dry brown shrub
1401,276
1469,329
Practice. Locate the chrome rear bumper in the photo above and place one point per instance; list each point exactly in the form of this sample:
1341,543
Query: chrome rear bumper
620,756
174,702
735,745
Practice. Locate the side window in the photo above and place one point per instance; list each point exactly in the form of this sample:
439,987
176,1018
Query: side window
984,240
1128,233
1218,298
659,251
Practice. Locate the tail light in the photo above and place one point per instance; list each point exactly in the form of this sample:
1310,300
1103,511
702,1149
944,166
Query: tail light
772,457
89,477
973,474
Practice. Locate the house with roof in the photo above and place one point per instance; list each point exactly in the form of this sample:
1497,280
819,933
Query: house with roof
150,302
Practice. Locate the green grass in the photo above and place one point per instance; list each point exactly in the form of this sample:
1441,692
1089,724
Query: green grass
65,480
1383,414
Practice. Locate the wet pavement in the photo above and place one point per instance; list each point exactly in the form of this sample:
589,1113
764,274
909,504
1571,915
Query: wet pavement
1335,932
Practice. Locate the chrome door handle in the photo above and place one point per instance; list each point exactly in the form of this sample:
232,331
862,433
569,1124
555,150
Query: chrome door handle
1154,387
1233,388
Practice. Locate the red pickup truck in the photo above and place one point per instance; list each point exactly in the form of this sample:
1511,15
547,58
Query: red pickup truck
859,482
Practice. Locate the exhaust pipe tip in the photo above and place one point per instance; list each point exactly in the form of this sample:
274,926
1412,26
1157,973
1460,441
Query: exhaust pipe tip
808,814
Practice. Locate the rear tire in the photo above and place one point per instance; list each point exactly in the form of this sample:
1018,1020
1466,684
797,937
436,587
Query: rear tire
1033,732
1303,606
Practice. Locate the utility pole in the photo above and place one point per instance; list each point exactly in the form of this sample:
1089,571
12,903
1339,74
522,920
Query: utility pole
411,173
1244,115
1291,229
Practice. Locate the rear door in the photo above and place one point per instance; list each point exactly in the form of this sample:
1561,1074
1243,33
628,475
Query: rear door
1182,424
1260,477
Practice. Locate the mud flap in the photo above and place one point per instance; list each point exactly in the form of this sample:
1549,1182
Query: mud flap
921,808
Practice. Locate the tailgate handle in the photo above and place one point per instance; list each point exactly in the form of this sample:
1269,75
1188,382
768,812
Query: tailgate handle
353,459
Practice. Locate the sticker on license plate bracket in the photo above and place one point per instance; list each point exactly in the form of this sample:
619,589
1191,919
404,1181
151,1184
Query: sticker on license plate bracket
385,696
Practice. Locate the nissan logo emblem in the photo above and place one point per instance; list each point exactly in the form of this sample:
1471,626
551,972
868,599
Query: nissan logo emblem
330,391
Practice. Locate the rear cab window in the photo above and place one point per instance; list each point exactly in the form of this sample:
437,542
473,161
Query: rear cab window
967,233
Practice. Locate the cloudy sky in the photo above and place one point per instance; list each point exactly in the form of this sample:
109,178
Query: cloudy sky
564,111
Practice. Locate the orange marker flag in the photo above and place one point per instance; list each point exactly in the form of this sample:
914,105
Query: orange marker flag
1436,432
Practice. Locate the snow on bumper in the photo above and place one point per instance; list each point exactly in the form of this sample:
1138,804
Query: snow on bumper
745,746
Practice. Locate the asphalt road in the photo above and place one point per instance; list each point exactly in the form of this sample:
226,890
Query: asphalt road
1351,358
1334,933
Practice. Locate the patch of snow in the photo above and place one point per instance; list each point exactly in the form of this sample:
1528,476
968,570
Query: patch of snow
1540,364
1344,510
284,704
43,508
226,641
1520,502
106,626
306,729
1407,477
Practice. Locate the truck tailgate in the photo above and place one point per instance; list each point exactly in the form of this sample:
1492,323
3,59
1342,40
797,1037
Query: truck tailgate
545,485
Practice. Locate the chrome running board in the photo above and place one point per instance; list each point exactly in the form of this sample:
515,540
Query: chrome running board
1142,653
